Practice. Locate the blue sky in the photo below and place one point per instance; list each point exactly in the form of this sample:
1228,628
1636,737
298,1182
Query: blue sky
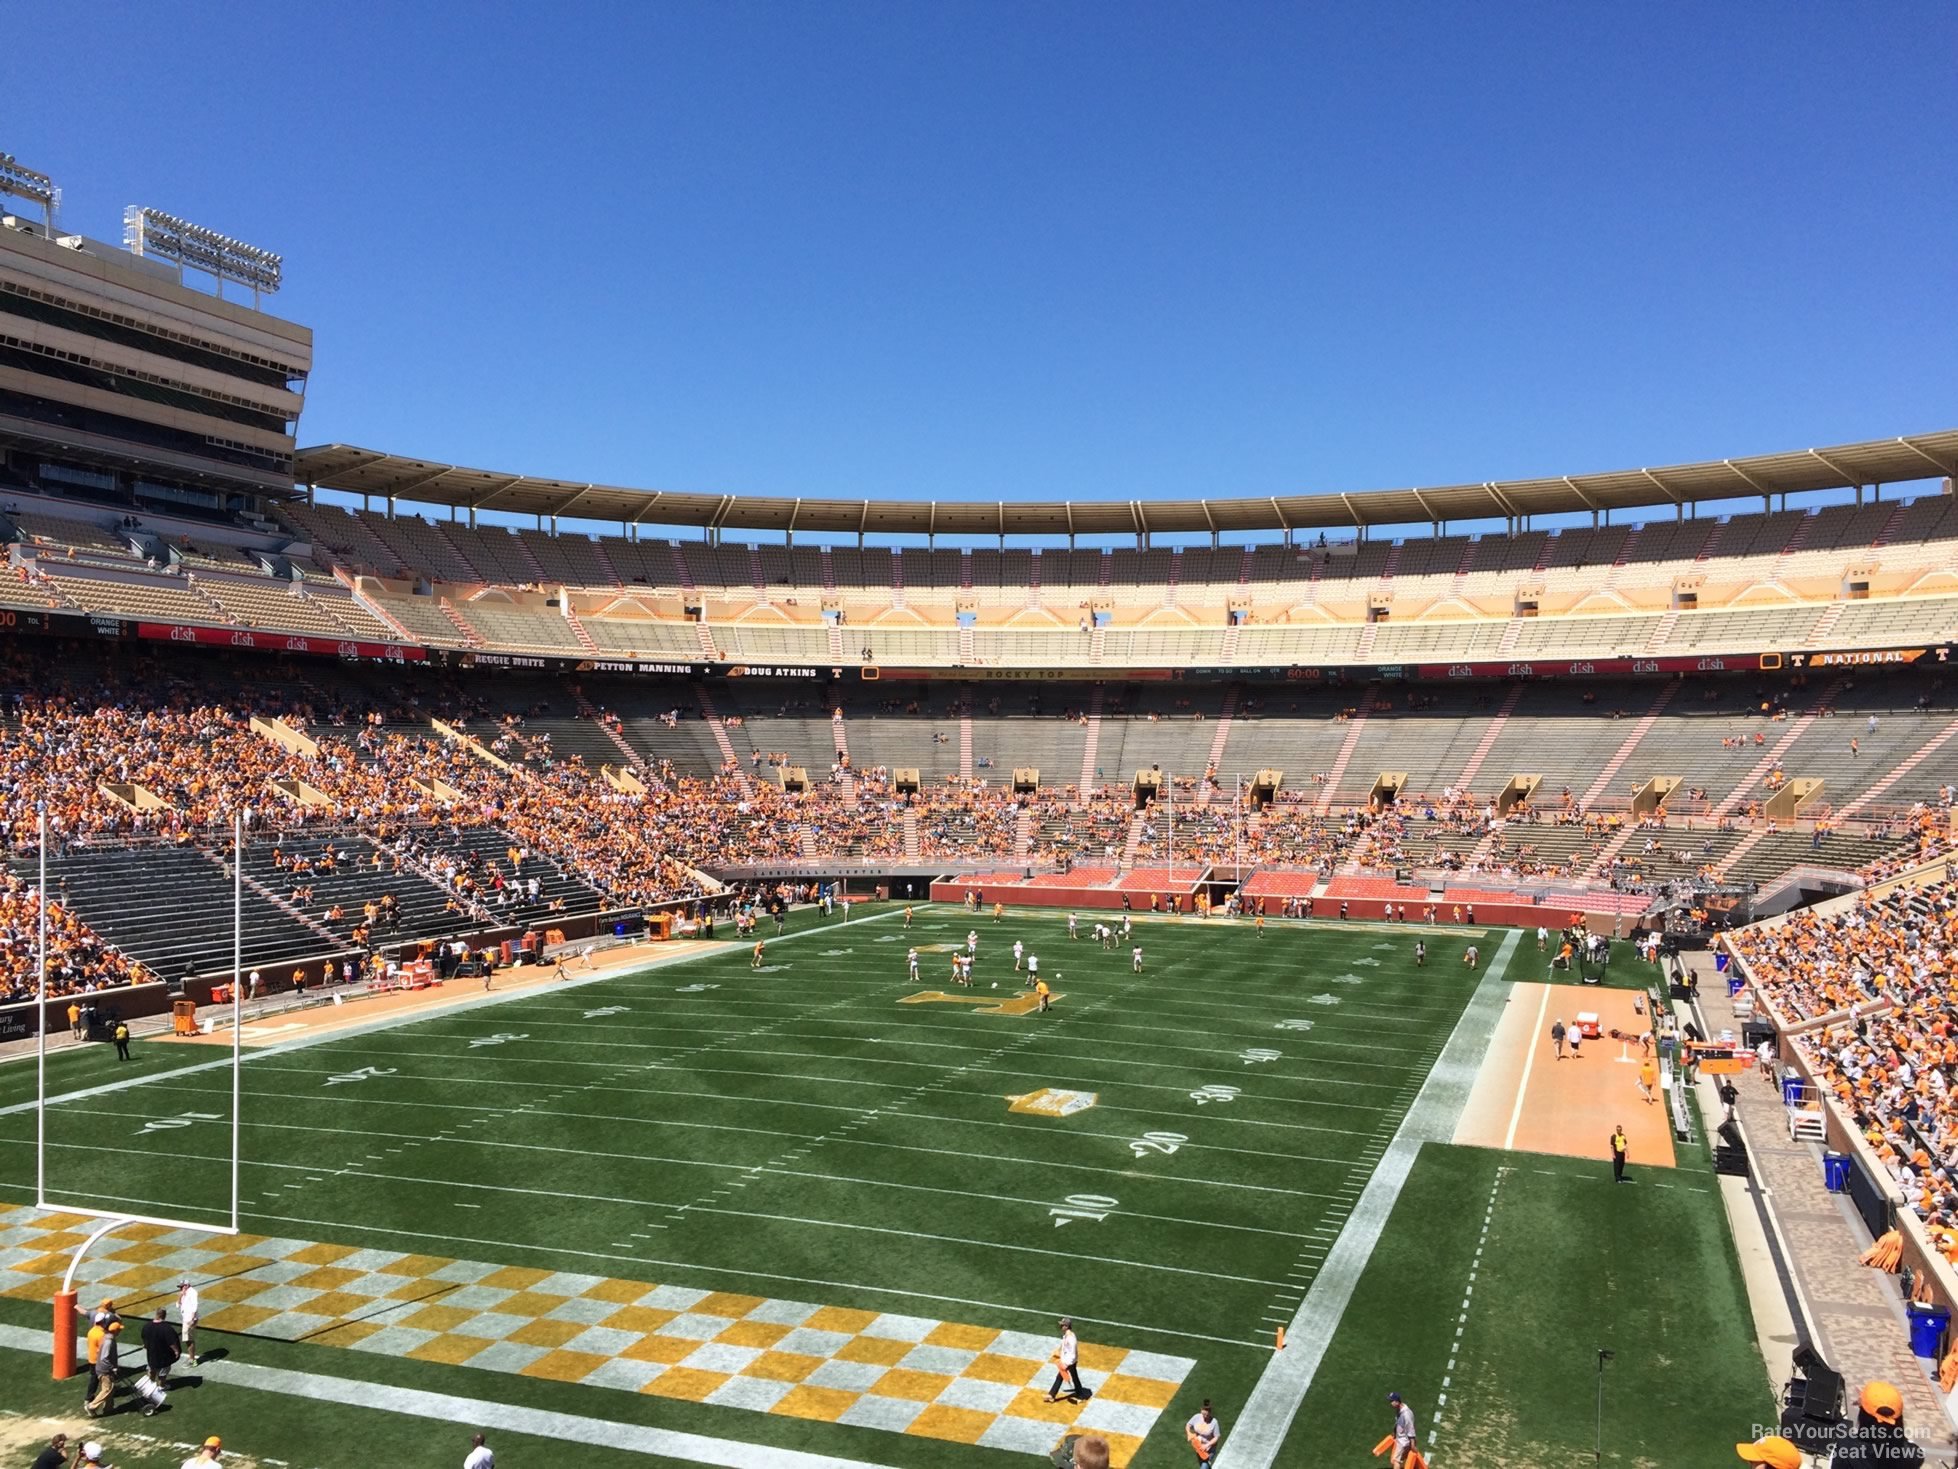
1010,250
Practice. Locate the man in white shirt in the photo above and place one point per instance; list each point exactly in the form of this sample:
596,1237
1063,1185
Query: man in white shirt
1033,970
1204,1433
911,963
479,1455
1067,1360
1135,959
187,1318
1019,955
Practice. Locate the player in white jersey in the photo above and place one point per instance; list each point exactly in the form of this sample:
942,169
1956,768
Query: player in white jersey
1135,958
911,963
1072,931
1019,955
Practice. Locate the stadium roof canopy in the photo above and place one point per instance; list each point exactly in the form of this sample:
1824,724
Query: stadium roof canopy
1879,461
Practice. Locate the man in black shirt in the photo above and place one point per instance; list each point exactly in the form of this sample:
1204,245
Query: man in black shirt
55,1455
1878,1437
161,1345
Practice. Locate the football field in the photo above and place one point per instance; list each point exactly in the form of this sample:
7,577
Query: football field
711,1213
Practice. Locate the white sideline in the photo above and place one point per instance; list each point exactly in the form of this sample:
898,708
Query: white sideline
693,1448
1274,1401
464,1007
1529,1065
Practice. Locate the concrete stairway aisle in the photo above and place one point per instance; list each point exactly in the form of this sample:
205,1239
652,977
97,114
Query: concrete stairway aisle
1623,753
914,847
1092,745
1230,643
611,571
968,654
835,634
1826,623
1796,729
706,641
1882,537
1345,756
1662,631
592,712
682,573
1460,582
469,634
578,629
756,572
375,610
1133,844
1617,844
1222,735
718,730
1466,780
1097,643
1022,836
965,738
530,561
1904,767
1364,648
1512,631
839,736
332,942
1741,848
450,541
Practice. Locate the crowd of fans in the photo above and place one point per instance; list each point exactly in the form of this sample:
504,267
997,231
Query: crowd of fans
1882,978
174,756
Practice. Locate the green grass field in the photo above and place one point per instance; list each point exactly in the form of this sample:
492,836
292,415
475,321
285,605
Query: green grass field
796,1141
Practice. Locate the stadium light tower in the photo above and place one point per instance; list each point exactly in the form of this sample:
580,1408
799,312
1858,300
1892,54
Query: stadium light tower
24,183
155,235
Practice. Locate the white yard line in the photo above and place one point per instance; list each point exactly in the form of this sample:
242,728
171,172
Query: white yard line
1268,1413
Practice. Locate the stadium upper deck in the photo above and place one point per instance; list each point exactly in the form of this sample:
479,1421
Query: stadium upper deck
1673,592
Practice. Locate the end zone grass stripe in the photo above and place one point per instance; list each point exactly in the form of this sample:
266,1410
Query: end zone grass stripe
693,1448
1274,1402
461,1007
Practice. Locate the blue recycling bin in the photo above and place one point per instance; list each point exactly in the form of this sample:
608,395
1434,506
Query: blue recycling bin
1735,984
1835,1172
1927,1328
1720,962
1791,1090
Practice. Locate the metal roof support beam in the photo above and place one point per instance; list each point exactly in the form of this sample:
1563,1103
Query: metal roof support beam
1663,488
1495,493
1589,504
1949,467
1762,490
1819,457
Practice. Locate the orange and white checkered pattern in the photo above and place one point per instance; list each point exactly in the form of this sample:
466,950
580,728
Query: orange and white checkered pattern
902,1374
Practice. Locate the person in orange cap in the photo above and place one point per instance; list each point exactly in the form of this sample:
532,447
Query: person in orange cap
1878,1437
1774,1451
